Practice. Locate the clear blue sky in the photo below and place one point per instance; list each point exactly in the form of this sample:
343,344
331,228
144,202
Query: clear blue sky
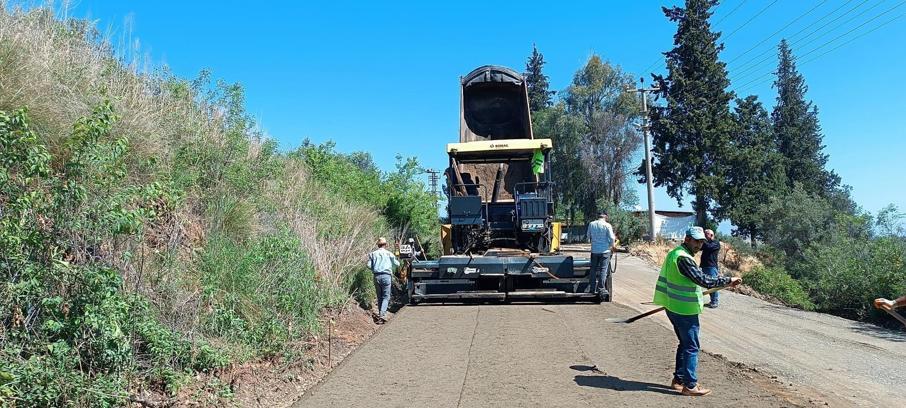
383,77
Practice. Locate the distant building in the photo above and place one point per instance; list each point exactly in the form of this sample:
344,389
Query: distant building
669,224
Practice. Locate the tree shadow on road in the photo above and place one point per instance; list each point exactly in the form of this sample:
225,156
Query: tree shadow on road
616,383
884,333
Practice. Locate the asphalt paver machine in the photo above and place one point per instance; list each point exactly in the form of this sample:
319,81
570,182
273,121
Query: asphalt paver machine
502,242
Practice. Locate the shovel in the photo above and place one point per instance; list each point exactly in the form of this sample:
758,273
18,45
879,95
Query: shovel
653,311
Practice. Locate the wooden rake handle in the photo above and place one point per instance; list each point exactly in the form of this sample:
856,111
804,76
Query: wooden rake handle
653,311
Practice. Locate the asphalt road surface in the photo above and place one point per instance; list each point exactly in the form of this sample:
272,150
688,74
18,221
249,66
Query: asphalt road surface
567,355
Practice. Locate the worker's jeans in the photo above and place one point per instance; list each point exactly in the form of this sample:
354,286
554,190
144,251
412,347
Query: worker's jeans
382,287
686,328
600,264
712,270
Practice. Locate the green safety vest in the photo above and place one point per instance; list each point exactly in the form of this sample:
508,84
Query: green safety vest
538,162
675,291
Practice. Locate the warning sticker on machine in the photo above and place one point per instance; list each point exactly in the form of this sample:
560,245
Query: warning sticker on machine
468,270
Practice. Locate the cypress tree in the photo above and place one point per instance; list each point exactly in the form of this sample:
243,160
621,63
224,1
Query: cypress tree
754,171
691,130
798,133
537,82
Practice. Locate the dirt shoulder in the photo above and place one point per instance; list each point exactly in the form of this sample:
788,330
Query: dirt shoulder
272,384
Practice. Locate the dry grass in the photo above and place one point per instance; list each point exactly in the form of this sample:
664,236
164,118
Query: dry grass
61,69
732,263
337,254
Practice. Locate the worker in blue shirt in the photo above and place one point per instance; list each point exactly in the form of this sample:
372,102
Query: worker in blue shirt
382,262
603,240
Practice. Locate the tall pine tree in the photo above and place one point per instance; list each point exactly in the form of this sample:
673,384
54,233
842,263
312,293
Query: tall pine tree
691,131
797,131
754,171
537,82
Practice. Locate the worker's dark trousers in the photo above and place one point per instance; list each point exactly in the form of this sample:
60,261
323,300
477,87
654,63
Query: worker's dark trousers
600,264
686,328
382,287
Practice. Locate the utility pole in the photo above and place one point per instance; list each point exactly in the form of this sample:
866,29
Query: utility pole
433,178
644,126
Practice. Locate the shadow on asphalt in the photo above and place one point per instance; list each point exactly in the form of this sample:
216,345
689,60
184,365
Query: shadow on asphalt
618,384
896,335
615,383
580,367
893,333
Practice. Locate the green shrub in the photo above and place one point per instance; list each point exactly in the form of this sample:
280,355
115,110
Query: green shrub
262,291
70,330
776,283
844,275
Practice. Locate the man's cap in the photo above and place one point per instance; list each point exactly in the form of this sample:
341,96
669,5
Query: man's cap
602,213
382,241
695,233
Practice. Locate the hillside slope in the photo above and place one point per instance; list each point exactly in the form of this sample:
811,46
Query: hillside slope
150,232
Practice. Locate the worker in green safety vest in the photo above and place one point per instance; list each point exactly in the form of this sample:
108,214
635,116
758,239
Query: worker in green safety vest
679,290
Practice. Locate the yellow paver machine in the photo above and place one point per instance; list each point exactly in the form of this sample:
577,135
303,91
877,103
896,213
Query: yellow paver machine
502,242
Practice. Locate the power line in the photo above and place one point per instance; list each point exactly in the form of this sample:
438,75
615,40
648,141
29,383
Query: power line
856,38
750,84
648,68
812,51
730,13
854,29
847,21
750,20
823,35
759,80
778,31
746,65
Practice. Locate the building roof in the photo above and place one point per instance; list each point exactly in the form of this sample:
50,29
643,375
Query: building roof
666,213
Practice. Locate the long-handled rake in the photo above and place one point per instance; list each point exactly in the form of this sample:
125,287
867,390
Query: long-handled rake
651,312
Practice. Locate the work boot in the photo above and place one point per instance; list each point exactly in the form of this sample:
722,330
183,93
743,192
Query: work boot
698,391
677,385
